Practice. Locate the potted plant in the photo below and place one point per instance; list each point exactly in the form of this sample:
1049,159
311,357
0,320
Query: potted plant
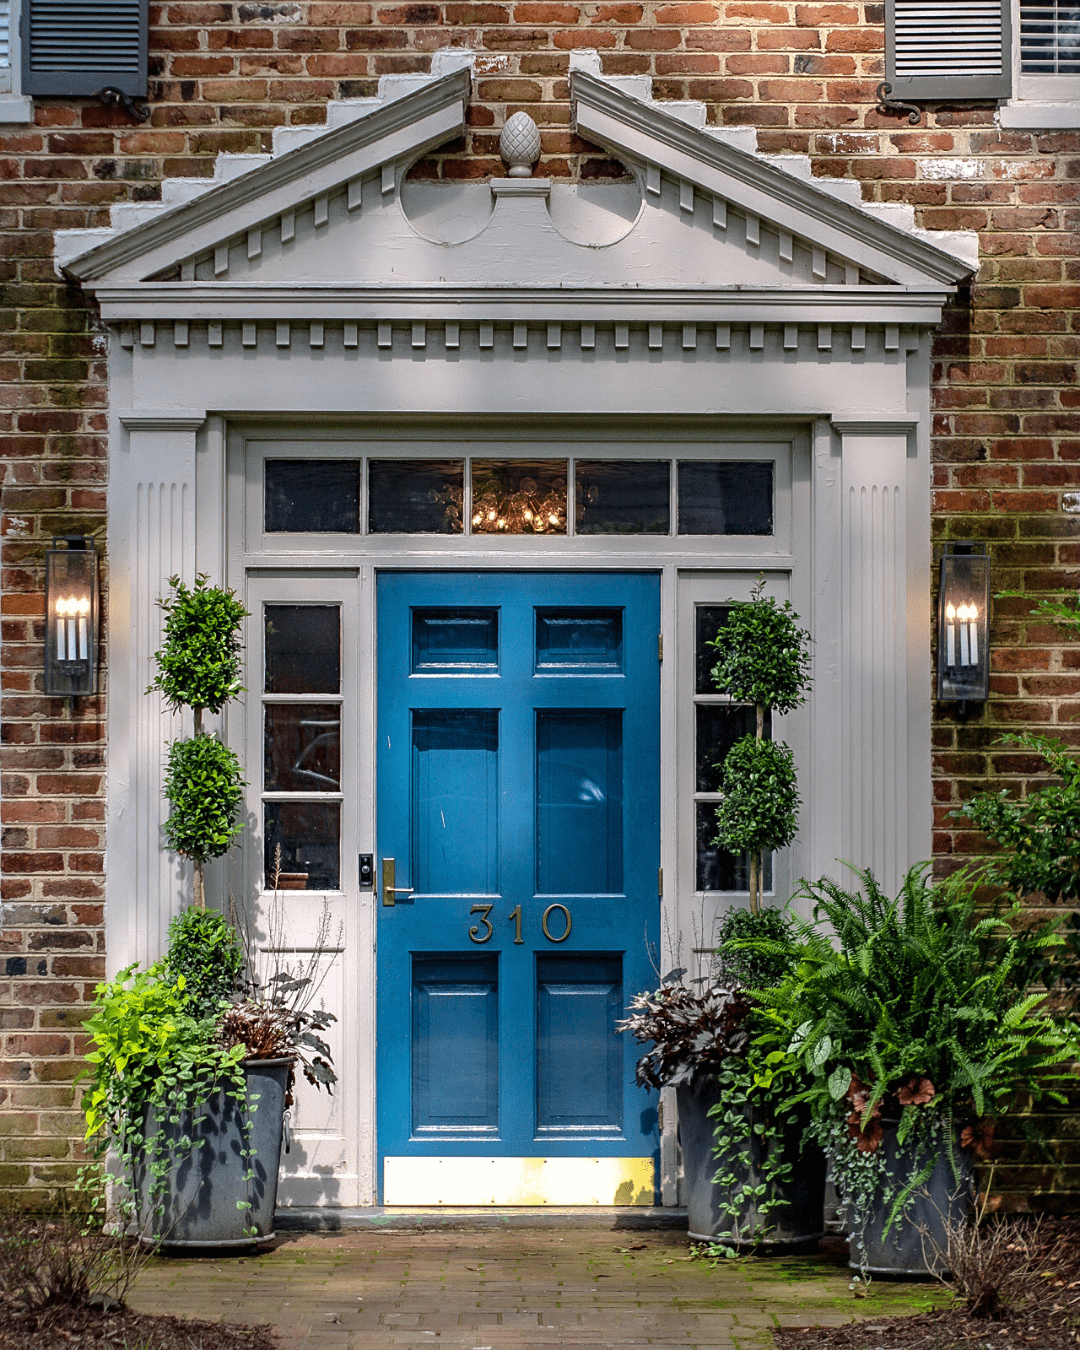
764,660
192,1062
192,1068
914,1024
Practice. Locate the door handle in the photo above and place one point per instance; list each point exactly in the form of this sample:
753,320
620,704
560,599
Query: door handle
390,892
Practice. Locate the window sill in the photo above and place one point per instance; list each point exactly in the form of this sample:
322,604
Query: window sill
16,109
1021,116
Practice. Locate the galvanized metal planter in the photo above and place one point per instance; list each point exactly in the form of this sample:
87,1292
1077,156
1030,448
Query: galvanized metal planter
917,1242
210,1202
799,1220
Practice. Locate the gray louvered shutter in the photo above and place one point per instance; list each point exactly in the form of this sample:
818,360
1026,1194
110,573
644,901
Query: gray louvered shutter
75,48
5,46
948,49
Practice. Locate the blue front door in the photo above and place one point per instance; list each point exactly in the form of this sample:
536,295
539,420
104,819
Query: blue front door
518,797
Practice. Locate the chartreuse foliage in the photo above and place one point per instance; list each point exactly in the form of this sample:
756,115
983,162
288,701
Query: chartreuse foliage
912,1008
764,660
152,1059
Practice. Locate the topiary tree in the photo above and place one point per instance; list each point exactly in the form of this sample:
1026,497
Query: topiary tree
198,667
764,660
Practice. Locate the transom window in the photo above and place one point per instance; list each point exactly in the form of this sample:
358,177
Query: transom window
530,497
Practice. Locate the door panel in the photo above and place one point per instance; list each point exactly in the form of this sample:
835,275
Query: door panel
514,710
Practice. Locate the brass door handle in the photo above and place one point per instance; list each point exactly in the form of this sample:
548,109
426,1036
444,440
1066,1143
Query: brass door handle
390,891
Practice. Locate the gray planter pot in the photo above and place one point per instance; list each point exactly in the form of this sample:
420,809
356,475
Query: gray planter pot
209,1203
917,1241
801,1217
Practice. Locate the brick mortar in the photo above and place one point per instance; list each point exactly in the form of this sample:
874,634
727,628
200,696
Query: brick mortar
1006,436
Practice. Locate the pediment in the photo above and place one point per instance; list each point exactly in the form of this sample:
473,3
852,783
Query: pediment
699,214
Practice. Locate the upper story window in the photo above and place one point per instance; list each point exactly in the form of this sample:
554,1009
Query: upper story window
69,49
1023,53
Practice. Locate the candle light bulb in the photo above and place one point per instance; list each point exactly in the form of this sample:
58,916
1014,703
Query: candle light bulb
950,612
477,519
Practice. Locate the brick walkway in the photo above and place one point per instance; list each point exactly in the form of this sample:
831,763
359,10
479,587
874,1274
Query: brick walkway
490,1290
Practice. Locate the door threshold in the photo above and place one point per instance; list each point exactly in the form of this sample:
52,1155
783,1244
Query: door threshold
414,1218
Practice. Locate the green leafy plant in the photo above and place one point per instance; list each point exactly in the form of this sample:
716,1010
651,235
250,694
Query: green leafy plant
152,1061
921,1012
204,959
1038,832
773,933
198,666
764,660
205,789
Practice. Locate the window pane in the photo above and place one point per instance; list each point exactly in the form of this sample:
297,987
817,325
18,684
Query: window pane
519,496
617,497
308,835
312,496
303,649
415,496
719,726
720,871
709,619
302,747
725,497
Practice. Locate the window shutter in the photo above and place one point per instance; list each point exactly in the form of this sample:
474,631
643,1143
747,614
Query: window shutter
5,46
75,48
948,49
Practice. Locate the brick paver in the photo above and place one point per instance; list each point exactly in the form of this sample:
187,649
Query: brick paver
522,1288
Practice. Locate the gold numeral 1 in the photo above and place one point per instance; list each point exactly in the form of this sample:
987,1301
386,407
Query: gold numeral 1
515,914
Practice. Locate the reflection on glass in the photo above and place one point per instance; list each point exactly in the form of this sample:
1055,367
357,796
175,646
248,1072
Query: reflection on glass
312,496
415,496
308,834
708,621
719,726
303,649
620,497
519,496
579,802
447,640
302,747
716,869
725,496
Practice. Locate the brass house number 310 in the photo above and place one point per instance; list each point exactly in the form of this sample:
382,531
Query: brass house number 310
482,931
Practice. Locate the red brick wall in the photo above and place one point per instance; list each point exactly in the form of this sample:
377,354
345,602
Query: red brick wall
223,75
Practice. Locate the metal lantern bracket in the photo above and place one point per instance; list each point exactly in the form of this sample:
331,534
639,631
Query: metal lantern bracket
963,655
71,617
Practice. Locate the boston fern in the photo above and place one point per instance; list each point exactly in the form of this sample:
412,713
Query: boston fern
916,1010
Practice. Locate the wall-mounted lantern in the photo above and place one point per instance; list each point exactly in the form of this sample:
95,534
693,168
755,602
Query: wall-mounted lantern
964,624
71,617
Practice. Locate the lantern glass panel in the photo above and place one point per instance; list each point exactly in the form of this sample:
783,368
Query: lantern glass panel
71,621
964,627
